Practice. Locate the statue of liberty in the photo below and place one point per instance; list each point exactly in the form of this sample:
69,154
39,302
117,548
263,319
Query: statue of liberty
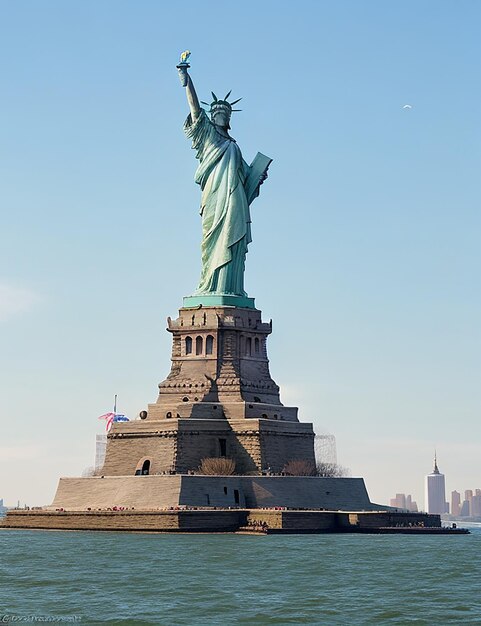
229,185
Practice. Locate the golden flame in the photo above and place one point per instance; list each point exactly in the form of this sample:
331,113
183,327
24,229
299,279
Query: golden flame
184,56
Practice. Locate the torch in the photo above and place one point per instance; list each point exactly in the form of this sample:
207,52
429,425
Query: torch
183,67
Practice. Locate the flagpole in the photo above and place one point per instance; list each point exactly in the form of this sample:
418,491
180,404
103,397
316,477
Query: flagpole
115,404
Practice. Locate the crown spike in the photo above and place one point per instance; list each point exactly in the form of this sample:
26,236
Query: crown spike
225,97
235,101
214,96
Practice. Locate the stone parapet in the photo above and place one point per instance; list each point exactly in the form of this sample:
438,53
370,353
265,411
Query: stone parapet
255,492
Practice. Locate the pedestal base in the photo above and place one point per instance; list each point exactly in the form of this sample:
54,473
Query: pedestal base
256,492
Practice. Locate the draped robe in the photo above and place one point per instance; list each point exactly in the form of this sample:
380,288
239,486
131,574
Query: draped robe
226,231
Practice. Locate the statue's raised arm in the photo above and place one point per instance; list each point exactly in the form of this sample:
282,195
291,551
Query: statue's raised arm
186,81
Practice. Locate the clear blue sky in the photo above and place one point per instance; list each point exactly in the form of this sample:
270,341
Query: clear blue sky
366,248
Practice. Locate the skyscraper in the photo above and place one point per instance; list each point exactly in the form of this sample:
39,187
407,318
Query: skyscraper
401,501
434,494
455,503
475,508
465,509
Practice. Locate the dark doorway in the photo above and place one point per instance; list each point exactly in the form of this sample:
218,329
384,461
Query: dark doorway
146,467
236,496
223,447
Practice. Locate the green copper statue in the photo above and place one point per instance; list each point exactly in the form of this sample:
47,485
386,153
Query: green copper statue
229,185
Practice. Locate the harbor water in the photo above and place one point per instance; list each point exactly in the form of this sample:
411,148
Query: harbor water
127,578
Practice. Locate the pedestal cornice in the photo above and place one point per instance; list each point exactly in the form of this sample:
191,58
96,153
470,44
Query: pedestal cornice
220,299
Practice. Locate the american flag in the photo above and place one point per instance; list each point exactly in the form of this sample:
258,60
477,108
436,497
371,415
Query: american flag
109,418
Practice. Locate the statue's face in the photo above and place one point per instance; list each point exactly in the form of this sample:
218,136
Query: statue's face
221,118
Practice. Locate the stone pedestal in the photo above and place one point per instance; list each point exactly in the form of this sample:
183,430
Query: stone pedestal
219,400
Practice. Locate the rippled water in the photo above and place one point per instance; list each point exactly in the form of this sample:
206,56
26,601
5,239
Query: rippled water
116,578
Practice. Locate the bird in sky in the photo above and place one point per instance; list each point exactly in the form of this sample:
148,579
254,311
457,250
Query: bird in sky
407,106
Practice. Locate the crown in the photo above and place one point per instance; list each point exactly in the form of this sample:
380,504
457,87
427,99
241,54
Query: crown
221,104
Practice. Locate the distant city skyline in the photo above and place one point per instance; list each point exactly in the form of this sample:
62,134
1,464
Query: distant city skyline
469,507
403,501
435,498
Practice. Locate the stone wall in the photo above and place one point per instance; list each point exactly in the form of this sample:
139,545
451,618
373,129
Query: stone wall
124,454
306,492
180,445
141,521
294,521
156,492
219,521
378,519
280,448
140,492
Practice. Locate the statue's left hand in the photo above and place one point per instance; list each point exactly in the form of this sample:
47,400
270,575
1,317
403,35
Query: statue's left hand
263,177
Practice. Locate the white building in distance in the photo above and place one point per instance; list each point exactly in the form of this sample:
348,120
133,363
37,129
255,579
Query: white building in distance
435,492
